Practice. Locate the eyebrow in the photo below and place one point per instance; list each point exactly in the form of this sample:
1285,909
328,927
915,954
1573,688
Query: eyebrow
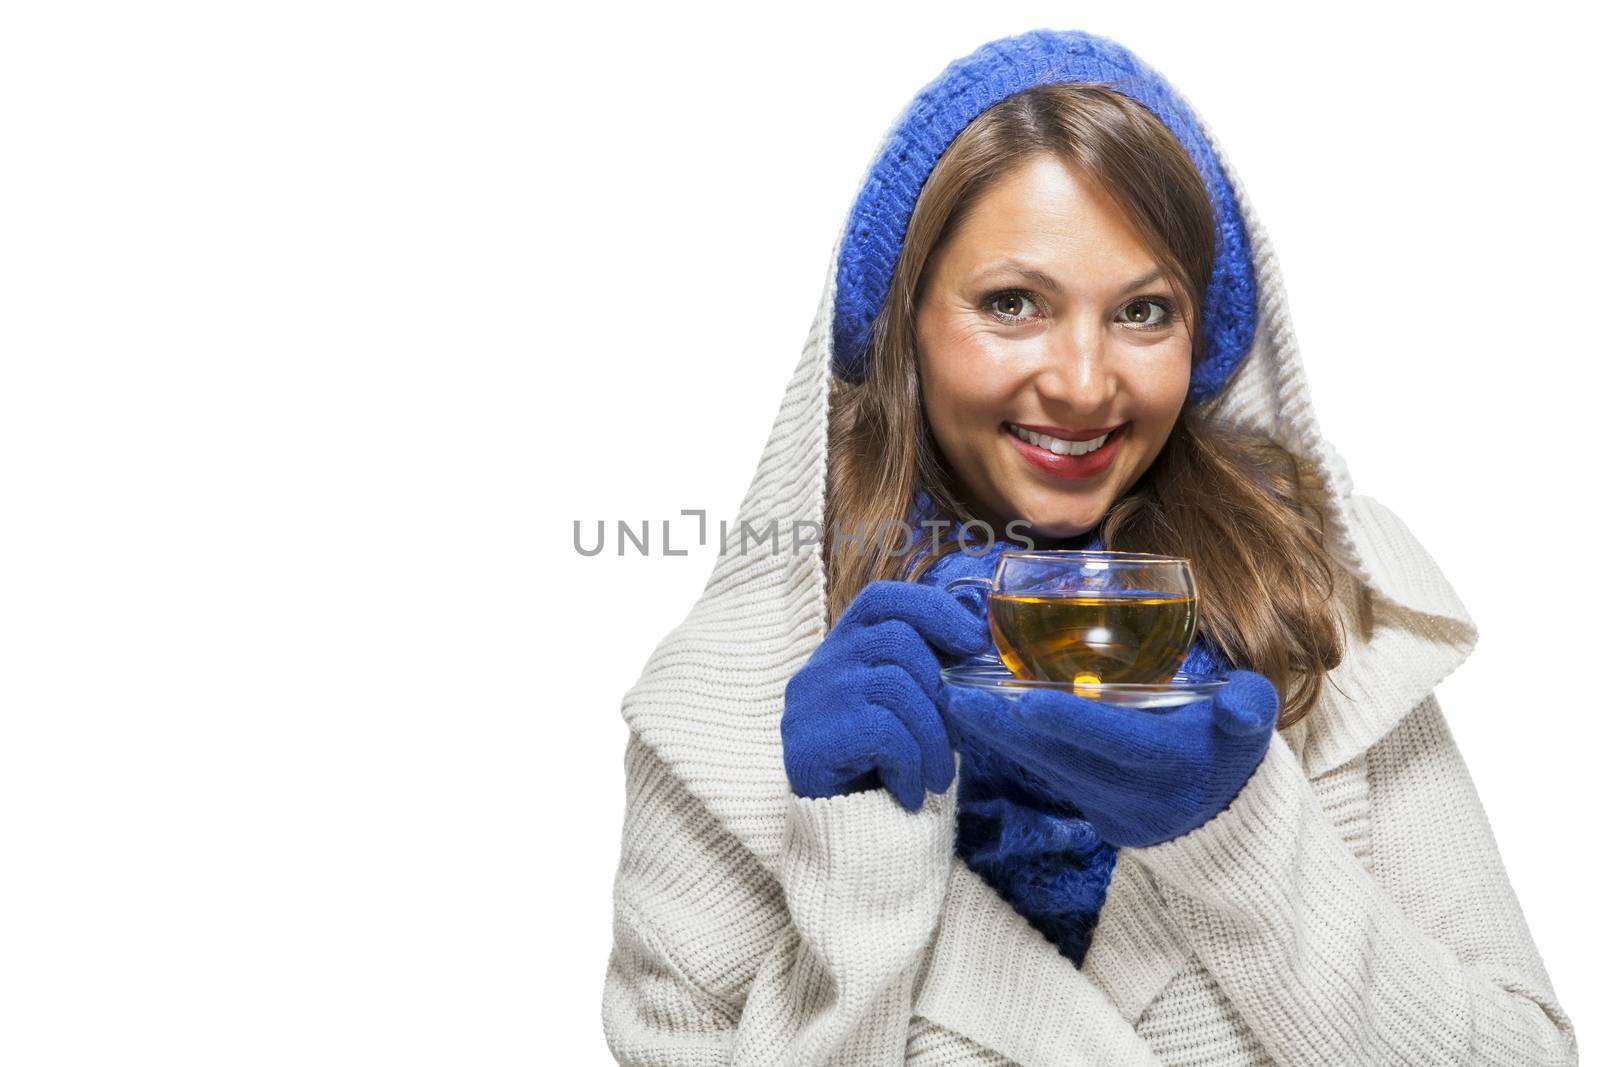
1044,281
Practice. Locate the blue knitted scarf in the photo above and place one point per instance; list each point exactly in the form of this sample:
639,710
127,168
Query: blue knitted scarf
1038,852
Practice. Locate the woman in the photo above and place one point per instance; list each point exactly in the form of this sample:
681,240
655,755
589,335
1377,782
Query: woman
830,857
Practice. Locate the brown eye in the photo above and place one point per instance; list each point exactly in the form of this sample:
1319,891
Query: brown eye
1010,304
1148,313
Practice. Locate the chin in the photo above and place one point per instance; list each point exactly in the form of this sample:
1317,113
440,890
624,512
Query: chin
1055,525
1059,531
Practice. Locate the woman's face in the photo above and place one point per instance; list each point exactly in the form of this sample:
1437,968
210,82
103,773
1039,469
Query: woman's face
1041,314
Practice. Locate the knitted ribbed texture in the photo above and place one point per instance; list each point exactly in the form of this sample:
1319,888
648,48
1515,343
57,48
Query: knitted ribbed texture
1420,955
1436,965
1349,907
946,105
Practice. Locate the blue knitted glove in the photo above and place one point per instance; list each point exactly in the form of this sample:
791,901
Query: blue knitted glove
1140,776
868,705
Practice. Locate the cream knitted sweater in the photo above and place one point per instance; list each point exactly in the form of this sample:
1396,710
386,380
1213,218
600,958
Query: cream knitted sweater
1349,907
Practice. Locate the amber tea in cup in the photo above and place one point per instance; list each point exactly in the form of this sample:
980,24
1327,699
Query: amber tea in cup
1091,617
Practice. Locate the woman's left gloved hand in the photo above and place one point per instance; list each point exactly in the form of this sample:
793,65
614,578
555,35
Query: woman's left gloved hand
1140,776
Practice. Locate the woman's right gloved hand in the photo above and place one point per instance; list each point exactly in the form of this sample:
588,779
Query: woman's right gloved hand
869,703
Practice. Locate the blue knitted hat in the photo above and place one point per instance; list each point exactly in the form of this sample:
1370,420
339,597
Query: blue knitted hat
944,107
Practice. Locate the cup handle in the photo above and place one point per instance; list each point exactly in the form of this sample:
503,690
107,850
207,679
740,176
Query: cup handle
983,659
960,583
987,583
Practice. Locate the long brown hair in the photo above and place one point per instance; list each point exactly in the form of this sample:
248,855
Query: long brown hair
1240,507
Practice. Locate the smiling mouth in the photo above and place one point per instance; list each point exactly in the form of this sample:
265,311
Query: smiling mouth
1060,446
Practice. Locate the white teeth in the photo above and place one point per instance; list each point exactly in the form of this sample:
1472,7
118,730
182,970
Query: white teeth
1058,446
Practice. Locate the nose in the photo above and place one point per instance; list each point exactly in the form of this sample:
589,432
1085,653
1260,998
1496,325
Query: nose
1076,372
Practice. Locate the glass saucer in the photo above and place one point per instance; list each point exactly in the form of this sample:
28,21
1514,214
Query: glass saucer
991,675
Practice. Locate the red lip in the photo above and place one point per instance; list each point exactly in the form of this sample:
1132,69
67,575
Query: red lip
1066,435
1069,467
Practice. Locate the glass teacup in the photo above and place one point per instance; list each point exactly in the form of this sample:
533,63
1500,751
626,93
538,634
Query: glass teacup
1091,617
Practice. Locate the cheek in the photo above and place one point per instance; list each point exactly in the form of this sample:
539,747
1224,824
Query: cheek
963,411
966,379
1164,386
1159,393
1158,401
963,400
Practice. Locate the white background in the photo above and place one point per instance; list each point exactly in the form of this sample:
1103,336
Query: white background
322,323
